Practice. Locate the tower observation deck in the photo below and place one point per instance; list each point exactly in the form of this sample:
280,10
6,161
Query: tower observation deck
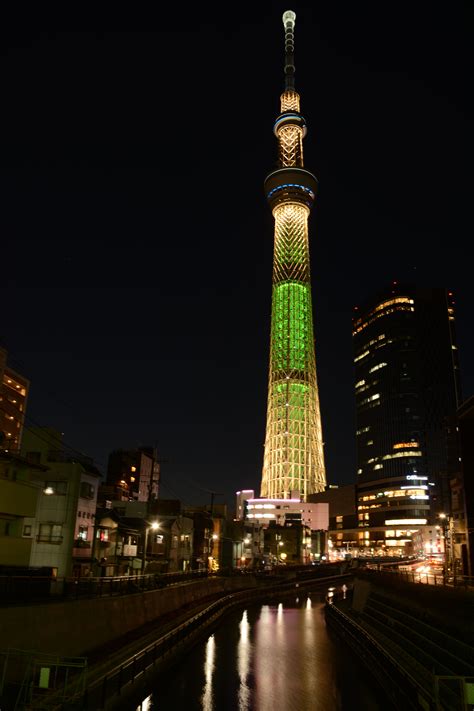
293,456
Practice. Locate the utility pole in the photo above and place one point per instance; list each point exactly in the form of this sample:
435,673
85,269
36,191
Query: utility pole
211,532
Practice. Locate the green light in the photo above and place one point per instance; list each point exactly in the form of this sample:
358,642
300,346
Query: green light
292,330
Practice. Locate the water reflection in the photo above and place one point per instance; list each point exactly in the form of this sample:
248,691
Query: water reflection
145,704
244,657
209,666
267,658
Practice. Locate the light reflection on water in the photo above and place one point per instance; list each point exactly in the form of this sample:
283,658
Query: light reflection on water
244,656
268,658
209,666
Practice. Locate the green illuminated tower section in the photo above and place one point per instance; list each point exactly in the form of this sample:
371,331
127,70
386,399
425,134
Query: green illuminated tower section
293,458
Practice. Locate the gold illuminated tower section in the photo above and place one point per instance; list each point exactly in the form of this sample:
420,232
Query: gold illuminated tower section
293,458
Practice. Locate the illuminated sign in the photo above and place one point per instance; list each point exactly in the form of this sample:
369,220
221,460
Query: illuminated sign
406,521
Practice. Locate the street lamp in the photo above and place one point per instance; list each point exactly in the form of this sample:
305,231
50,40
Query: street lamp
154,526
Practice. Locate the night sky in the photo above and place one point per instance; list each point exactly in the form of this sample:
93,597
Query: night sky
137,242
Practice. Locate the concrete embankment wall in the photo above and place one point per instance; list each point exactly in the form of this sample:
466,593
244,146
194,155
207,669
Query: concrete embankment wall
73,628
446,608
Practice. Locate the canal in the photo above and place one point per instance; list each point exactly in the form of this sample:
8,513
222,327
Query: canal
274,657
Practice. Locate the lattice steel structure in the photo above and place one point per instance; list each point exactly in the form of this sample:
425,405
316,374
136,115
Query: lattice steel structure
293,457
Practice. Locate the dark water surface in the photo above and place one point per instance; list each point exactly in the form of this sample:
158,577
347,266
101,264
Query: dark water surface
268,658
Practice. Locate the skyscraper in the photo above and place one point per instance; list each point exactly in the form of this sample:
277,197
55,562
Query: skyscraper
13,398
407,391
293,458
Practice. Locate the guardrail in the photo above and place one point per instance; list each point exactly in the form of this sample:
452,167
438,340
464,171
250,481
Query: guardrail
430,690
31,589
462,582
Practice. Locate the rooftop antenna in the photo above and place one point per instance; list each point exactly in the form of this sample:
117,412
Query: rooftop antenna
289,18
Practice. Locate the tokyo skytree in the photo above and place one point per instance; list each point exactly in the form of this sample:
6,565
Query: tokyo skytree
293,458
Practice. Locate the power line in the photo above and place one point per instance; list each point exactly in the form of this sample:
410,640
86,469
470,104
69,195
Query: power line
54,437
14,359
24,414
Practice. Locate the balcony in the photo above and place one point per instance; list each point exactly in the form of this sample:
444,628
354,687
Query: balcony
81,543
81,548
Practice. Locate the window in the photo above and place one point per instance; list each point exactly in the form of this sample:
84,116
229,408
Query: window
27,530
50,533
82,534
102,534
86,491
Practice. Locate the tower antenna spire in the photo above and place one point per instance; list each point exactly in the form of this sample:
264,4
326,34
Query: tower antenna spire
289,18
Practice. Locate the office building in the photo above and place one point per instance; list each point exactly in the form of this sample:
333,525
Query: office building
461,520
407,390
265,511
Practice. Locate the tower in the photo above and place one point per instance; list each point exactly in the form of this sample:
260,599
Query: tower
407,390
293,458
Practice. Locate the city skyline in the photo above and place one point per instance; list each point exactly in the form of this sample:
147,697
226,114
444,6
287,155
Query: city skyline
134,285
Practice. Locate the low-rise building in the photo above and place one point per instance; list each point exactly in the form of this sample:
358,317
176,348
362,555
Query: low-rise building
281,511
134,471
20,489
63,527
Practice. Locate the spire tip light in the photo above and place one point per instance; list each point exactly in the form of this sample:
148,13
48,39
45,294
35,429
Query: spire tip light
289,18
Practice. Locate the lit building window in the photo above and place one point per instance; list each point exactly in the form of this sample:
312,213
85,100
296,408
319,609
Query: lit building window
401,303
82,533
408,453
377,367
371,398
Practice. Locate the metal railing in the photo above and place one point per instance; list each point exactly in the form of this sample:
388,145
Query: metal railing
462,582
26,589
33,588
413,679
377,658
